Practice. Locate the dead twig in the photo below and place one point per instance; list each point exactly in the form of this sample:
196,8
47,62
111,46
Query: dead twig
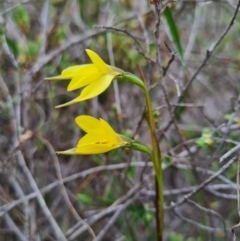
203,184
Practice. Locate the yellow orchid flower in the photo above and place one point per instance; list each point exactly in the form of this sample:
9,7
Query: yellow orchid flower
95,77
99,138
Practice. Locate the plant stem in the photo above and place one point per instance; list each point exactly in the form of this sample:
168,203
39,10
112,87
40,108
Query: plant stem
156,154
159,236
140,147
157,162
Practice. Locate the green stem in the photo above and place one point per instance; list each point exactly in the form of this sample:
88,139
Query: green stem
156,153
140,147
134,145
157,161
132,79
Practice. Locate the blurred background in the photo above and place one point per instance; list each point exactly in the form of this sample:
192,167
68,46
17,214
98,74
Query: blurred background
194,86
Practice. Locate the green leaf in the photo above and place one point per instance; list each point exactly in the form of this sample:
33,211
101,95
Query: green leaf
21,16
175,237
109,193
131,171
34,47
180,109
85,199
200,142
12,45
173,31
1,30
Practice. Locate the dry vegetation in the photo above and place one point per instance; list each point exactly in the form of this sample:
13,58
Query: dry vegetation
196,101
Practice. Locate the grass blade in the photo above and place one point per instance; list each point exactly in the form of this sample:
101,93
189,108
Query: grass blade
174,32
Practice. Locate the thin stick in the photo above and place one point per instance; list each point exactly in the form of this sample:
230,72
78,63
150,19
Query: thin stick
238,199
202,185
59,175
21,162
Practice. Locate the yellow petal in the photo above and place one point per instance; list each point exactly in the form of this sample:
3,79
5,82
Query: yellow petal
59,77
68,152
74,101
92,90
67,73
88,74
98,62
100,137
96,88
94,139
110,133
87,150
93,149
72,70
88,123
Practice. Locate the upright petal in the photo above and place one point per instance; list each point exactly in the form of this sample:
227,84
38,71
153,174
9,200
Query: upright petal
110,133
88,123
98,62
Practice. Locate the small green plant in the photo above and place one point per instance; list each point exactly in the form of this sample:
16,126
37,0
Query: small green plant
179,237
